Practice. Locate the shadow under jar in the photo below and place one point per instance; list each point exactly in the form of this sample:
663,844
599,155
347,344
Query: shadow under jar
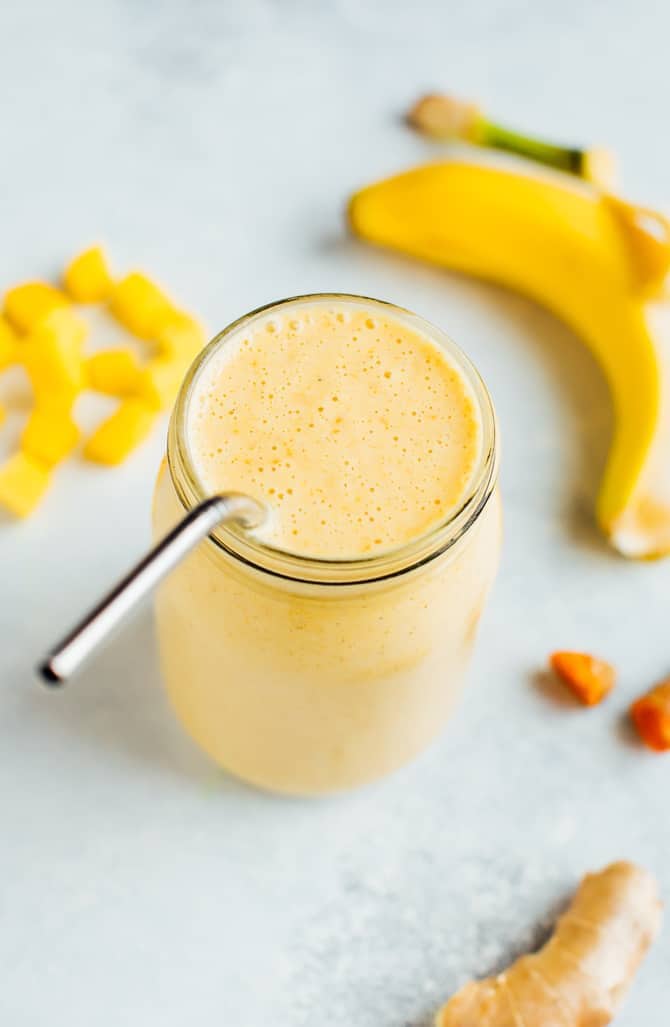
308,675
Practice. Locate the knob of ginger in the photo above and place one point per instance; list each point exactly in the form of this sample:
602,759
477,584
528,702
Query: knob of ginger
580,977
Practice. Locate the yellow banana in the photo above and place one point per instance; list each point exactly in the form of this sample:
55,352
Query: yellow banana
595,261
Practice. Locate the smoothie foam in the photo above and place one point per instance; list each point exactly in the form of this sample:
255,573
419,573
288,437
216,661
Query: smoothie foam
354,428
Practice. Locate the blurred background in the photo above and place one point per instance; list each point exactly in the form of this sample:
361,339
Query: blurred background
214,145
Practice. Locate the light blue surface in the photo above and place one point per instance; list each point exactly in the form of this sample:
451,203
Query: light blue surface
214,144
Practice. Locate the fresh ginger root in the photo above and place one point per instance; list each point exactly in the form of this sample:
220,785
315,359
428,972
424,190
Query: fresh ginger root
580,977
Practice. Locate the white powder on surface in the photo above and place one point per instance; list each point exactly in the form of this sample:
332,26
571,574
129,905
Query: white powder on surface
388,952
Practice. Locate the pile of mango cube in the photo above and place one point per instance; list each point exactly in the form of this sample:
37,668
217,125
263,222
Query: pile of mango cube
41,330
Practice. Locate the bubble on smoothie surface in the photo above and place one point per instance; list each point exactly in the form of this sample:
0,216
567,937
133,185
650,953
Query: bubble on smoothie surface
353,426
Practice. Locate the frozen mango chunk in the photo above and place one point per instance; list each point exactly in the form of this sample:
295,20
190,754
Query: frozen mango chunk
49,435
180,335
23,482
52,356
160,380
8,341
87,278
28,304
139,305
115,438
114,372
65,326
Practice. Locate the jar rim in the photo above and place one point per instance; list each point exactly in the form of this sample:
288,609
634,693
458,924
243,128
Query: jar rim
366,568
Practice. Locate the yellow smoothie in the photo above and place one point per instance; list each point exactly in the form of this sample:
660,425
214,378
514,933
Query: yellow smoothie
330,649
355,429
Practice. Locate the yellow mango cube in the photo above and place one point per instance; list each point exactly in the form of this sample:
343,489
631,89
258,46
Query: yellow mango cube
114,372
3,413
50,435
160,380
8,342
180,335
87,278
23,482
115,438
28,304
65,326
139,305
52,356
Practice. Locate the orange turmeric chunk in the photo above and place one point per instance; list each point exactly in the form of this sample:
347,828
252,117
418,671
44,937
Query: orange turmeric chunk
139,305
588,678
87,278
26,305
23,481
651,716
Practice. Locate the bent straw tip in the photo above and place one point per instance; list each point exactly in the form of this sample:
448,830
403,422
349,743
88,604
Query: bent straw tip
49,674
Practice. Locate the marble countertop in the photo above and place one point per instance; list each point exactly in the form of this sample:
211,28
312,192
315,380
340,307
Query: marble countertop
214,144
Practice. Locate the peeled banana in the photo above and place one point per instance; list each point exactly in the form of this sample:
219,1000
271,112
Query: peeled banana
597,262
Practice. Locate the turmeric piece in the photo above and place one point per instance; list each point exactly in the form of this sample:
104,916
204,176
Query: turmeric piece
87,278
580,977
651,717
23,482
588,678
28,304
139,305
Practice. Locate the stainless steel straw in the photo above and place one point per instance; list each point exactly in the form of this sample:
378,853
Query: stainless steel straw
71,652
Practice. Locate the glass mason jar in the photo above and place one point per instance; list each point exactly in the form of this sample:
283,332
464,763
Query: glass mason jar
306,675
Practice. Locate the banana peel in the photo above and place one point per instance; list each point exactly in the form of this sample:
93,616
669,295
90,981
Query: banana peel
597,262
